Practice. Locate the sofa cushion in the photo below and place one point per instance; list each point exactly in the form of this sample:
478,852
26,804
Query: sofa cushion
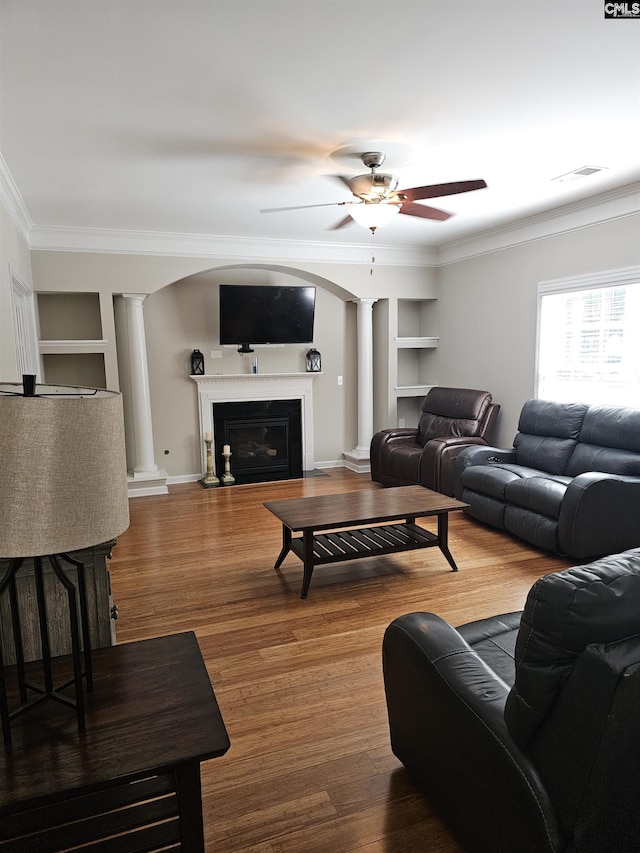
549,418
464,403
485,509
508,482
609,442
488,479
612,426
548,432
564,613
532,527
590,457
451,411
537,493
544,453
403,459
494,640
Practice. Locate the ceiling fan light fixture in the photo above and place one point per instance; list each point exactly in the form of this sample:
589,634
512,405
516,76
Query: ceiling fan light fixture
372,214
378,199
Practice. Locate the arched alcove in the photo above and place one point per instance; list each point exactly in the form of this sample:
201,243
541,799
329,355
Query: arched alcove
183,315
180,314
295,272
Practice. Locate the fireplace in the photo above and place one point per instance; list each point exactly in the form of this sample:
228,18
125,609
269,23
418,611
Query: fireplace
263,388
265,437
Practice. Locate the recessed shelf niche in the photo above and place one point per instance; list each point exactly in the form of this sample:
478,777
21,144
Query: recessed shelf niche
415,342
71,343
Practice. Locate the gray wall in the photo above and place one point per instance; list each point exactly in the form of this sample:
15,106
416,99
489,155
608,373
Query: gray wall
487,309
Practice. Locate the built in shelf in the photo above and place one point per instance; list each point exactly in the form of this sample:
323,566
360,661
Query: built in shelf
417,343
412,390
66,347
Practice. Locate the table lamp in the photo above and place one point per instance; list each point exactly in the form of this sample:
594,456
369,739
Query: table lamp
63,487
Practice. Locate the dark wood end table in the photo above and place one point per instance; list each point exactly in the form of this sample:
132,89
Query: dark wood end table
131,781
369,507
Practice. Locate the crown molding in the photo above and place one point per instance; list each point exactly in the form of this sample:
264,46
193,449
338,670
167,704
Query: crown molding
13,202
66,239
614,204
608,206
605,207
609,278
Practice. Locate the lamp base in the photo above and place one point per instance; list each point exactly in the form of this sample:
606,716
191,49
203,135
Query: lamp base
78,621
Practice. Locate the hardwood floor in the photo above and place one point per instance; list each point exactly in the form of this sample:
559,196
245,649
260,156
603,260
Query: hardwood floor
299,683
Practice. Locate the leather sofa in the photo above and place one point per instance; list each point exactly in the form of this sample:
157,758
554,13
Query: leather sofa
570,484
450,420
523,729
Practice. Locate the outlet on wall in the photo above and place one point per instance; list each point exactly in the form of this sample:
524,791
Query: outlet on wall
216,353
401,423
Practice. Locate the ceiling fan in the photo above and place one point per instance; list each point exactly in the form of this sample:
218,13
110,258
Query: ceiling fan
378,199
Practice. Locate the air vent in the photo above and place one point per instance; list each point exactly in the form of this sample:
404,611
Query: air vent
577,174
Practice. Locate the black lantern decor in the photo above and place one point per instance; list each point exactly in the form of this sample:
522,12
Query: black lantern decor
314,364
197,363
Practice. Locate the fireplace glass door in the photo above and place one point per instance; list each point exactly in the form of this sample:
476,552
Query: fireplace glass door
265,438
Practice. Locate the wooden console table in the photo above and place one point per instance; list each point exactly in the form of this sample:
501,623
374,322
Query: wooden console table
367,507
131,781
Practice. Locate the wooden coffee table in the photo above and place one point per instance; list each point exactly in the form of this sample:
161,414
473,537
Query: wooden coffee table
368,509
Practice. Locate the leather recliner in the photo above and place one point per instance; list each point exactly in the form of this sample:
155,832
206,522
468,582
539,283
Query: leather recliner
523,729
450,420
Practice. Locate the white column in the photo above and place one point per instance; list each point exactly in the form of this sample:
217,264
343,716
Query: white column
144,461
365,384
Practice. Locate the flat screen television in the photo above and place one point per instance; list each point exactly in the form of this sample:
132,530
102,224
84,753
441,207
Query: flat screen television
261,314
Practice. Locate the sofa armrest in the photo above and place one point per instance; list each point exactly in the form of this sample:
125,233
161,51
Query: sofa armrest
438,461
386,435
446,718
479,456
379,440
599,515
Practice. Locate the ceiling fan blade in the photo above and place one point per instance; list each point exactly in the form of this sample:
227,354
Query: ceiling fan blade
424,212
346,221
301,207
437,190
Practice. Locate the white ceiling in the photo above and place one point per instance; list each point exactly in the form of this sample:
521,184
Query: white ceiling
189,117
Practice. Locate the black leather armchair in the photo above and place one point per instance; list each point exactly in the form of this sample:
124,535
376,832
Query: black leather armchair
523,729
451,419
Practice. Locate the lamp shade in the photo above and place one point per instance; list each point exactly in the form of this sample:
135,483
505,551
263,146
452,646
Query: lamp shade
63,483
372,214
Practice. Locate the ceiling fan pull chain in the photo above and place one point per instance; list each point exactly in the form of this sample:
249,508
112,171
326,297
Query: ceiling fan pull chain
373,260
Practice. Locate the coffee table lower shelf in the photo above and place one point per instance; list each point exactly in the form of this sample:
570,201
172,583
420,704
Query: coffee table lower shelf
364,542
318,549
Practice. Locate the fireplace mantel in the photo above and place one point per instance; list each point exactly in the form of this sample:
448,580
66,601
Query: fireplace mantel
233,387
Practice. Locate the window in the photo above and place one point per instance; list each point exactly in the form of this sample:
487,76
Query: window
589,339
